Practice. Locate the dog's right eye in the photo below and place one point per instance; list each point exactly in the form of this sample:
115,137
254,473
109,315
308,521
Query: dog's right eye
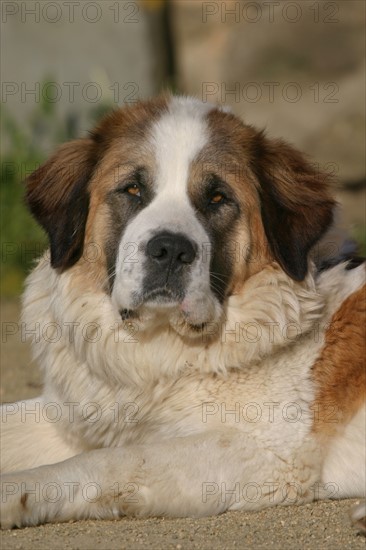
133,189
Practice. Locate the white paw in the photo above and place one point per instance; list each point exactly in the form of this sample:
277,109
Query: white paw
13,506
22,500
358,516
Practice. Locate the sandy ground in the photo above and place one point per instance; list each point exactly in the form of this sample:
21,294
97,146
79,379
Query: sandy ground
321,525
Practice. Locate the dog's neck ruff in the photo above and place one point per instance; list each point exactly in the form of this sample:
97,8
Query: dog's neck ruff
270,313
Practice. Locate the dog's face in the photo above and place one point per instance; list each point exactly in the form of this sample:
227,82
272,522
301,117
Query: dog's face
183,203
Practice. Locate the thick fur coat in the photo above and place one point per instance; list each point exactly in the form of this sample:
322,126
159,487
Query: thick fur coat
195,360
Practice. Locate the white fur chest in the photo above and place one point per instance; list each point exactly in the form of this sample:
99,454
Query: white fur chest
115,387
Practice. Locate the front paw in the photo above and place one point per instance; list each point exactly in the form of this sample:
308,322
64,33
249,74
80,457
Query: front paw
22,502
358,516
13,506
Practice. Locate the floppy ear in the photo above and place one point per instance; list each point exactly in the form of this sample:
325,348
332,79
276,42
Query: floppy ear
57,195
296,205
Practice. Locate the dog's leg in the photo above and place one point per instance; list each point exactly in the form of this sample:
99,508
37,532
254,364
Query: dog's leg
344,463
358,516
192,476
29,438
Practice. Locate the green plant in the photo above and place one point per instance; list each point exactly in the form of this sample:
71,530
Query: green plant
24,149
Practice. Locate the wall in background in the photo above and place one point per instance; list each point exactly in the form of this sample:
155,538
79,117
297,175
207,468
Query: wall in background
295,68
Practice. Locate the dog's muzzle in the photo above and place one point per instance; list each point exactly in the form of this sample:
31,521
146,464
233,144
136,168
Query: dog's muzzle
169,257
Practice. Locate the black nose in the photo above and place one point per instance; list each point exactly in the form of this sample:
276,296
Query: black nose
171,250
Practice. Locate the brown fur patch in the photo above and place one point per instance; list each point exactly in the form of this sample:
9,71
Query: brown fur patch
229,154
285,201
296,204
340,371
67,193
121,137
57,195
23,500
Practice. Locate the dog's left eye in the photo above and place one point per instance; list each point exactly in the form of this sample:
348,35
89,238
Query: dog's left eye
134,190
217,198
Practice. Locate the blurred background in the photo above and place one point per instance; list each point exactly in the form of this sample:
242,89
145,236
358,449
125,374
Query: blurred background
294,68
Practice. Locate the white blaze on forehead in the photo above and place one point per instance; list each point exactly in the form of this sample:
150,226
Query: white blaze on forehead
177,137
174,140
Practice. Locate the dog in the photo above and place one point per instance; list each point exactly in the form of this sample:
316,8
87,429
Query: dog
195,357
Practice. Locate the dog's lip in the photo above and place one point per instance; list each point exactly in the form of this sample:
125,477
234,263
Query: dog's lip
159,297
158,292
128,314
198,327
166,294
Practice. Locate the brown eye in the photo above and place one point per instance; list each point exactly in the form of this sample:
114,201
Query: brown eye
217,198
134,190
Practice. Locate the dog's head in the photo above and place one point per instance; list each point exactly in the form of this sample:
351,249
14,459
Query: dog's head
181,202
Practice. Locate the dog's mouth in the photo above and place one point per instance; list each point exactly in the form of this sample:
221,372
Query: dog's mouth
166,307
157,300
161,296
128,314
184,325
197,328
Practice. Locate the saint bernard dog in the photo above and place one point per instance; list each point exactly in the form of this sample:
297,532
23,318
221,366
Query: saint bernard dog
196,358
